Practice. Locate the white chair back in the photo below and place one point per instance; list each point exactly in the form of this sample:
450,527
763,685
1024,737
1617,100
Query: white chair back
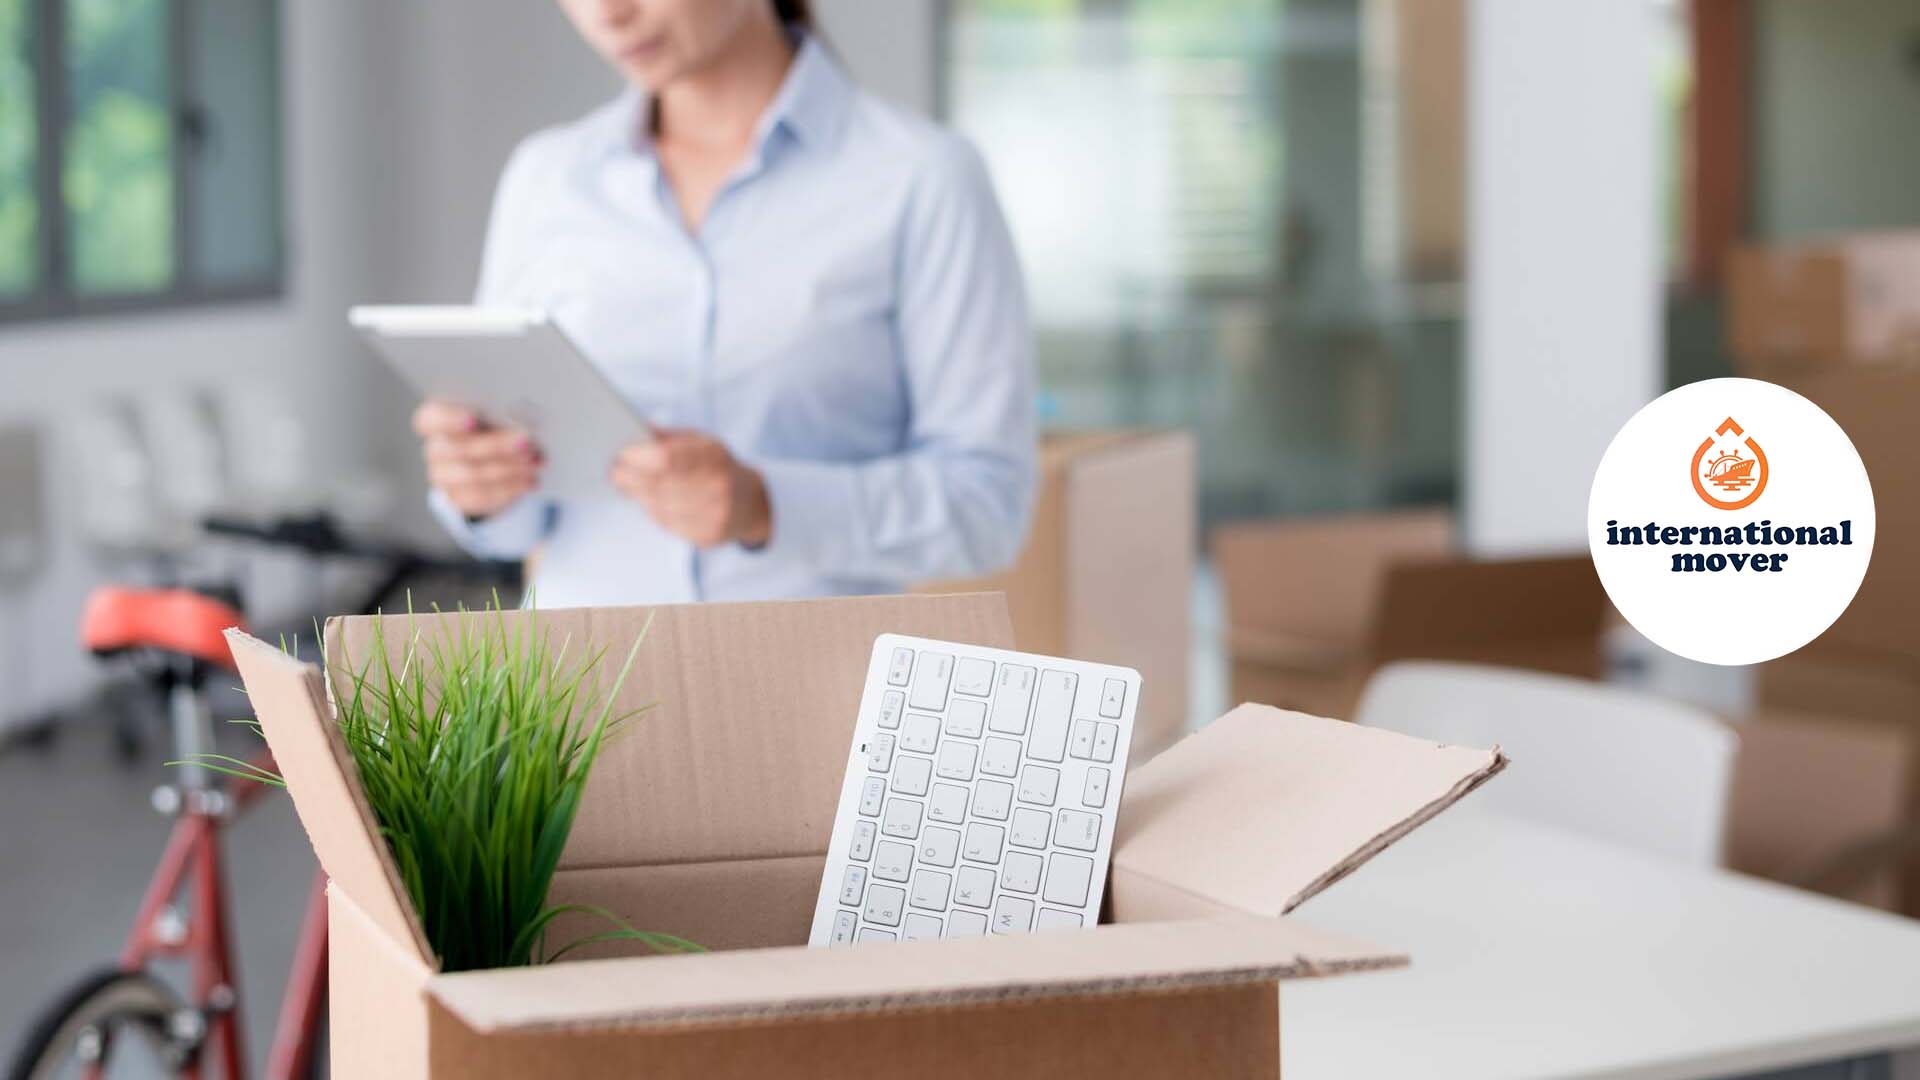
1640,771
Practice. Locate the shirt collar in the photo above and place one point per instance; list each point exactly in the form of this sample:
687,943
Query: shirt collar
811,105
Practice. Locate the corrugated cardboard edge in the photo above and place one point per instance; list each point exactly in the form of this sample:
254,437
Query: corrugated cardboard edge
382,897
1386,839
446,991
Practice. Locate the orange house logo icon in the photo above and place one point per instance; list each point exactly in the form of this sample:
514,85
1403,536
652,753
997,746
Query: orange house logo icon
1723,476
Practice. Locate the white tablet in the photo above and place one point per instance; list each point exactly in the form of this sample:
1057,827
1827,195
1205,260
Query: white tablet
514,367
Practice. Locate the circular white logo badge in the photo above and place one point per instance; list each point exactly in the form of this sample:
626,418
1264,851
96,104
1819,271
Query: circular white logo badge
1731,521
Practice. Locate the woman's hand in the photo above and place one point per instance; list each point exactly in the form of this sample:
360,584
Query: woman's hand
695,488
481,470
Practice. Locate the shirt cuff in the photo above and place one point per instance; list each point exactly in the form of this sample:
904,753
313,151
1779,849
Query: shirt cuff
509,534
815,516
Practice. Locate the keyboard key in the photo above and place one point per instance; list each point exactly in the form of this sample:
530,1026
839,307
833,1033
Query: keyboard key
871,793
1078,830
1094,794
948,803
862,845
966,924
1052,708
983,842
892,704
880,753
902,819
967,718
974,887
973,675
1030,828
1113,697
1082,744
956,760
930,682
1012,915
1021,872
1039,785
1053,919
992,799
1104,738
912,775
1000,757
883,905
892,860
854,885
1067,879
872,934
941,847
920,927
930,888
901,667
1011,699
919,733
843,924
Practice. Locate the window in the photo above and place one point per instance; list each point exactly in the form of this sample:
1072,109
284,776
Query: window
1242,218
139,154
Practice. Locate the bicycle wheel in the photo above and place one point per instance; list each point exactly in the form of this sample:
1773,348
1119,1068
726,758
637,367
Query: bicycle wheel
121,1023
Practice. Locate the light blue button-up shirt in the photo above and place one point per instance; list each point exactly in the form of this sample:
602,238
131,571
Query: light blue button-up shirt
849,320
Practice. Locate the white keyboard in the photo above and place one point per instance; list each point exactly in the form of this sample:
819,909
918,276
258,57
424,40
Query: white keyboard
980,794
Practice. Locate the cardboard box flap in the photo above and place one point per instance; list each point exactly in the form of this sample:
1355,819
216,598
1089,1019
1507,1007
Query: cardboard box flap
289,699
1263,808
1447,607
743,753
799,982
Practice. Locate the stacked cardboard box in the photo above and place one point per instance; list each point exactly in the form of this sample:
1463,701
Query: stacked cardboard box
1314,606
1861,677
1107,572
1833,302
711,819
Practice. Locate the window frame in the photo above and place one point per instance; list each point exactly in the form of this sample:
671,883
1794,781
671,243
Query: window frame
53,296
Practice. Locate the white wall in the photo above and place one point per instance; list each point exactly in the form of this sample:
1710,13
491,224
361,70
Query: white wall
1564,280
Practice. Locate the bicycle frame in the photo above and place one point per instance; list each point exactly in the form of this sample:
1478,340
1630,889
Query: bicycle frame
192,860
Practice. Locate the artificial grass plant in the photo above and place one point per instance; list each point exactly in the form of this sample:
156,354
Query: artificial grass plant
474,747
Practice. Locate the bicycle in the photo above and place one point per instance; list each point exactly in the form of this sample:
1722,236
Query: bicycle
122,1014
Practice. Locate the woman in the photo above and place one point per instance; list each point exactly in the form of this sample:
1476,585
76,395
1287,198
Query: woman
811,295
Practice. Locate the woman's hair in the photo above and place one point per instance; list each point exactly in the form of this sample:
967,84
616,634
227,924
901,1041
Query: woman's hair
794,12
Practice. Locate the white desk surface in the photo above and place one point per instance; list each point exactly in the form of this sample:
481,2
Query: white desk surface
1542,953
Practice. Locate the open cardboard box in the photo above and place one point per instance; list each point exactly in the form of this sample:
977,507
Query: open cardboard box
710,818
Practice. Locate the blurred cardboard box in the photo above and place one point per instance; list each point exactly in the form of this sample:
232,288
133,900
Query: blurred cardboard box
1107,573
1830,302
1821,801
1218,837
1313,607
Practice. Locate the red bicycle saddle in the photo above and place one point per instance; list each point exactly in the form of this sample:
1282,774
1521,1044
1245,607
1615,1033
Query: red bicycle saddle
170,620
